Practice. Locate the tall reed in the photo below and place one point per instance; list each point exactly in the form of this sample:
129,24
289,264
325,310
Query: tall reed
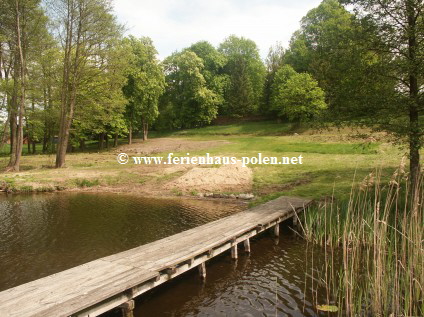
377,237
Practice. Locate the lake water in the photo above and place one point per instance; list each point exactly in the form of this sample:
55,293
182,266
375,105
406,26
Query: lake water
44,234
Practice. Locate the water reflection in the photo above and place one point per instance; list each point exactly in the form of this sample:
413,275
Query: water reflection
45,234
269,282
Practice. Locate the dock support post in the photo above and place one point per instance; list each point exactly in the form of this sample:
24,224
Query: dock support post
127,308
277,230
202,270
246,244
234,254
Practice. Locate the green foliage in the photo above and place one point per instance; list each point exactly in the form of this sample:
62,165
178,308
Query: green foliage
246,73
301,98
370,64
298,53
296,96
282,76
213,62
399,45
44,83
188,100
101,102
145,82
330,47
274,61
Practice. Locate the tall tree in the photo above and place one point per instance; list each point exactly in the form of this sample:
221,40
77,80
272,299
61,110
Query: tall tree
192,103
48,85
273,62
213,70
101,103
87,30
43,83
21,21
247,74
145,85
296,96
330,46
399,26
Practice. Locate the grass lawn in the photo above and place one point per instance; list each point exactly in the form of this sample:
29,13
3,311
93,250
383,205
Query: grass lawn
331,160
328,166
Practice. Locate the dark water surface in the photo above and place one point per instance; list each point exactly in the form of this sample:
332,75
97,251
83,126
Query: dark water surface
47,233
268,282
44,234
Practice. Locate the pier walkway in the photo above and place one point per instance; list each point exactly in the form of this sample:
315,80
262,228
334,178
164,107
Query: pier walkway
101,285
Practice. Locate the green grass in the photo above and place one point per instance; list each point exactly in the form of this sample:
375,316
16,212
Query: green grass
328,148
86,182
253,128
328,163
331,159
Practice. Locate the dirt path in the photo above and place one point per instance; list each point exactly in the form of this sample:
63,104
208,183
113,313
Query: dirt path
170,145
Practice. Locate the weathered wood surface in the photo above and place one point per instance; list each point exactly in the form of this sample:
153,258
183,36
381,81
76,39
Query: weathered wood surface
115,278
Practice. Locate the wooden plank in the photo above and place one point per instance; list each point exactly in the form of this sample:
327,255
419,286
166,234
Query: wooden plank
100,278
112,279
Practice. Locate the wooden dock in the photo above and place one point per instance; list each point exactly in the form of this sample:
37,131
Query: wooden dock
101,285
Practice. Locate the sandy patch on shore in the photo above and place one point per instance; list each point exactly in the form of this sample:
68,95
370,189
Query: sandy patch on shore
233,178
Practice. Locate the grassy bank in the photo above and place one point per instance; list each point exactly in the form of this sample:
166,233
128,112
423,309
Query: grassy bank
330,158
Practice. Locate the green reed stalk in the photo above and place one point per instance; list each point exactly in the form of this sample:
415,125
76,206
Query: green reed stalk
377,236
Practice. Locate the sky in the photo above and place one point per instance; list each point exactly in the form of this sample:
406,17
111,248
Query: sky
176,24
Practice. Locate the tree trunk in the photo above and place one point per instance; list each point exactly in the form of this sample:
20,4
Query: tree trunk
145,130
16,154
82,144
4,135
115,140
13,117
69,84
45,138
130,134
31,131
414,127
107,141
101,138
414,145
63,141
13,128
49,123
22,66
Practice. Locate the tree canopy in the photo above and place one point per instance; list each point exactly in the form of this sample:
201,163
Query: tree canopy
296,96
192,103
68,76
246,73
145,84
